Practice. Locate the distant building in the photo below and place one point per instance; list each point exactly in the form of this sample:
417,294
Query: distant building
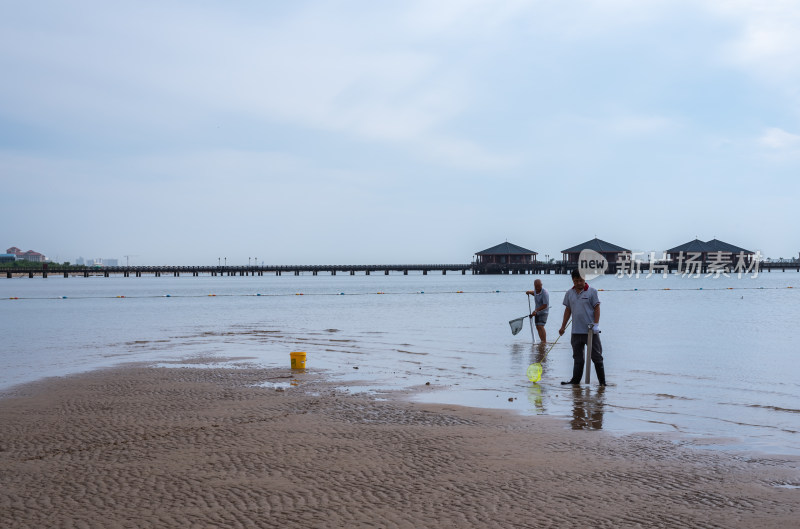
505,258
7,257
110,262
713,250
506,253
695,247
32,256
612,253
80,261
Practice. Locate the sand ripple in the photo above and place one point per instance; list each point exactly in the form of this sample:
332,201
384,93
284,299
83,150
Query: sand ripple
185,447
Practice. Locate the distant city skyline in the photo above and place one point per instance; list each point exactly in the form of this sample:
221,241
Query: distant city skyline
369,132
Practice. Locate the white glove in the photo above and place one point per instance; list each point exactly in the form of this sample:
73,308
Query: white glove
596,328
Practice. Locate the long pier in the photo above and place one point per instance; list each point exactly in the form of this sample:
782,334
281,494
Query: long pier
278,270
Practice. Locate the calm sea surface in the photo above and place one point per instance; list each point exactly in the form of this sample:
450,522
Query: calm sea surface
711,362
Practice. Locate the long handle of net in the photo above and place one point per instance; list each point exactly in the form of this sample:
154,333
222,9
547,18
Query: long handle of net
530,318
554,343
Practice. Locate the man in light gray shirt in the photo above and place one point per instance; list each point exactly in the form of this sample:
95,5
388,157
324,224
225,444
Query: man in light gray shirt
541,305
583,304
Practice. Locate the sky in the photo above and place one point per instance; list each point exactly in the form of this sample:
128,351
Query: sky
362,132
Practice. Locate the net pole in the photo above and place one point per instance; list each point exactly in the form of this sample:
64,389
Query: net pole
589,337
530,318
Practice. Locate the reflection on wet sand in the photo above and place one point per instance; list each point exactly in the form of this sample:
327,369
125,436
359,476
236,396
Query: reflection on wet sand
535,398
587,407
536,350
519,348
540,349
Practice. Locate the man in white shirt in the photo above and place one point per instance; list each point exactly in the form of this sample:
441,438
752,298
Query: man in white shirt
583,304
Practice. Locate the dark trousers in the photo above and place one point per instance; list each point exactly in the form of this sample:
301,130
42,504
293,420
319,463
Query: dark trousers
579,342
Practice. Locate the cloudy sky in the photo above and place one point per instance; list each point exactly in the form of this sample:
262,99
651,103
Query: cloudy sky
395,132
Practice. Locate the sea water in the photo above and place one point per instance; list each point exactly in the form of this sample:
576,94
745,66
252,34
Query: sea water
709,361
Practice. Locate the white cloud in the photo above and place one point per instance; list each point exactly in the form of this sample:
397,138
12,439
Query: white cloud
779,139
467,155
399,77
768,42
637,125
319,112
317,68
471,18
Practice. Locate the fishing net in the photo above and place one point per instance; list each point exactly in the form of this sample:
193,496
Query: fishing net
534,372
516,325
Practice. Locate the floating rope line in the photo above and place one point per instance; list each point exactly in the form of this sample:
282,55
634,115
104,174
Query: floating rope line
445,292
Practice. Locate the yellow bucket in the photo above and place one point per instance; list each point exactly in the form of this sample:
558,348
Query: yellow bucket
298,359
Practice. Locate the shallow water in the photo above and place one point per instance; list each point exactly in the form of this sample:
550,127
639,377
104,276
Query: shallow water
711,361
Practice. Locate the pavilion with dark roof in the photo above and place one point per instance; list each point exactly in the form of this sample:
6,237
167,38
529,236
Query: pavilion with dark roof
707,251
506,254
611,252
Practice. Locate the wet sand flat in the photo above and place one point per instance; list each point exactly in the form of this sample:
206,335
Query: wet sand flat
194,447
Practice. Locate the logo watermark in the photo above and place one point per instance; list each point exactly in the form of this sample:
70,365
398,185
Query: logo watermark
591,264
689,264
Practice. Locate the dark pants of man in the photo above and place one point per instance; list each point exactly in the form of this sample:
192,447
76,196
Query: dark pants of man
578,345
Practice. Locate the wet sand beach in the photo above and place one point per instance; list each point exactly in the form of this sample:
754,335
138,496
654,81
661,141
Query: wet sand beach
195,447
